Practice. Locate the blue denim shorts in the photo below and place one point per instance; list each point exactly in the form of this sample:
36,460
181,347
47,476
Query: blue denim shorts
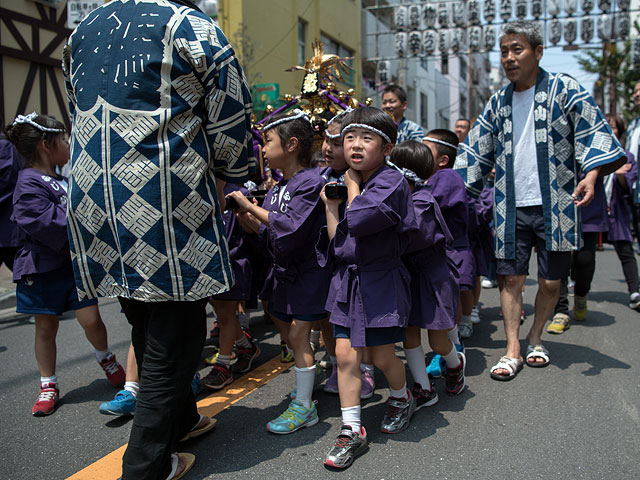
49,293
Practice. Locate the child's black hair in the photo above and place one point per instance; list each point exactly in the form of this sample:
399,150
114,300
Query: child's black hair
414,156
376,118
299,128
27,137
449,137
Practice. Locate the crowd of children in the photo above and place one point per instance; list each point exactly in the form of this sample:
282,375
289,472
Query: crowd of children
370,249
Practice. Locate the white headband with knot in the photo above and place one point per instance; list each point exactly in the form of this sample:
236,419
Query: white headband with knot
341,114
367,127
406,173
441,142
30,119
297,114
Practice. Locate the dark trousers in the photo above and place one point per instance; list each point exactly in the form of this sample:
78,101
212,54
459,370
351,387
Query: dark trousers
168,338
629,265
583,267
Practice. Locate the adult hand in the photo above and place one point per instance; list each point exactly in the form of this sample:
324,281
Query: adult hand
623,169
584,192
243,202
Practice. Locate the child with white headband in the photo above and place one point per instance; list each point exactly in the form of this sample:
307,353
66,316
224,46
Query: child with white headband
296,286
369,299
42,268
447,188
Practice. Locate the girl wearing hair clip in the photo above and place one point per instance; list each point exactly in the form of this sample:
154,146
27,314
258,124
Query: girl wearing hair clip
369,299
434,277
296,286
42,268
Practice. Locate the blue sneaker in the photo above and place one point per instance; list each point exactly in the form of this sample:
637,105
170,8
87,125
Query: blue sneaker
460,347
294,418
123,404
436,367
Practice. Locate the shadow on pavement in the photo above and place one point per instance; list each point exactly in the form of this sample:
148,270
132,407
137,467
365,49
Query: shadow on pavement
563,355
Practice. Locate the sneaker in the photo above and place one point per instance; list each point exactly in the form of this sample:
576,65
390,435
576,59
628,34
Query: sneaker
435,368
465,329
347,447
634,300
398,415
332,383
579,308
123,404
218,377
246,356
48,398
459,347
487,283
454,377
559,323
285,354
424,398
113,370
475,315
368,385
195,383
294,418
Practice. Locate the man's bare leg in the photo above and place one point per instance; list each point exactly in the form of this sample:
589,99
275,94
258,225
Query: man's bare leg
511,303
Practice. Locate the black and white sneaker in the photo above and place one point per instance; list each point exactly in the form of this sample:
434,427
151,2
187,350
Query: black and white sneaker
454,380
424,398
398,415
347,447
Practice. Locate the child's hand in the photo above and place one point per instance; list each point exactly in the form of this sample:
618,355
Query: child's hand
248,222
241,201
352,177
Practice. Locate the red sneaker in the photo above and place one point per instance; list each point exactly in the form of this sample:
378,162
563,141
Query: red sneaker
113,370
47,400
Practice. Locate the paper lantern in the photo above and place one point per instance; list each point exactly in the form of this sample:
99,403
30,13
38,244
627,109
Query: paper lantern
586,5
415,16
570,30
489,10
604,5
555,31
521,9
537,8
586,29
489,37
383,71
570,6
623,4
622,25
554,7
415,43
473,9
443,14
605,26
505,9
475,39
400,42
443,41
400,17
456,40
457,14
429,40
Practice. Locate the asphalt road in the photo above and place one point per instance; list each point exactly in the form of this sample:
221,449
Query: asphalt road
577,419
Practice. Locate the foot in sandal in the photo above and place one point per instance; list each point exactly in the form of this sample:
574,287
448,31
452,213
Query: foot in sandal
537,356
181,463
506,369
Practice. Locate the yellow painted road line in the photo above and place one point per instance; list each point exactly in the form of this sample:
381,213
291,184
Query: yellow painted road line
110,466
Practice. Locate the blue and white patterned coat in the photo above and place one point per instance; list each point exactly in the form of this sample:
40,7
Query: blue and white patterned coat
160,109
571,134
408,130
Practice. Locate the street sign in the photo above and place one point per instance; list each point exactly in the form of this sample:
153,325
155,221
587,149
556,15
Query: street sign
77,10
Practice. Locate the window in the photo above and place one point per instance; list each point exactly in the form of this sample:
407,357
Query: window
463,106
444,66
302,42
463,68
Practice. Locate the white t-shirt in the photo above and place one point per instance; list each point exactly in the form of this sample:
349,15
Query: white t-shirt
525,162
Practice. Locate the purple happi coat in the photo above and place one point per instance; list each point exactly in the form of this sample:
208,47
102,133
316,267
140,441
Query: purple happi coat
295,283
40,211
594,215
10,165
434,278
239,253
448,189
619,214
370,287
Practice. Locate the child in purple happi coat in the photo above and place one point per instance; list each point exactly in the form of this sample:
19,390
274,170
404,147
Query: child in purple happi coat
42,267
369,299
434,279
448,189
296,286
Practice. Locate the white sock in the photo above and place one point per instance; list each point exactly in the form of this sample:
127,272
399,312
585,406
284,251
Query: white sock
245,320
304,384
453,335
351,417
224,360
334,361
417,366
243,342
132,387
452,359
365,367
465,320
102,354
402,393
53,379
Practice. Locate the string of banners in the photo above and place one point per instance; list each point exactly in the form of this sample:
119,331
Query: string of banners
468,26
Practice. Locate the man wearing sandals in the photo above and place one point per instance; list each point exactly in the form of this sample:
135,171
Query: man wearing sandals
161,118
539,132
